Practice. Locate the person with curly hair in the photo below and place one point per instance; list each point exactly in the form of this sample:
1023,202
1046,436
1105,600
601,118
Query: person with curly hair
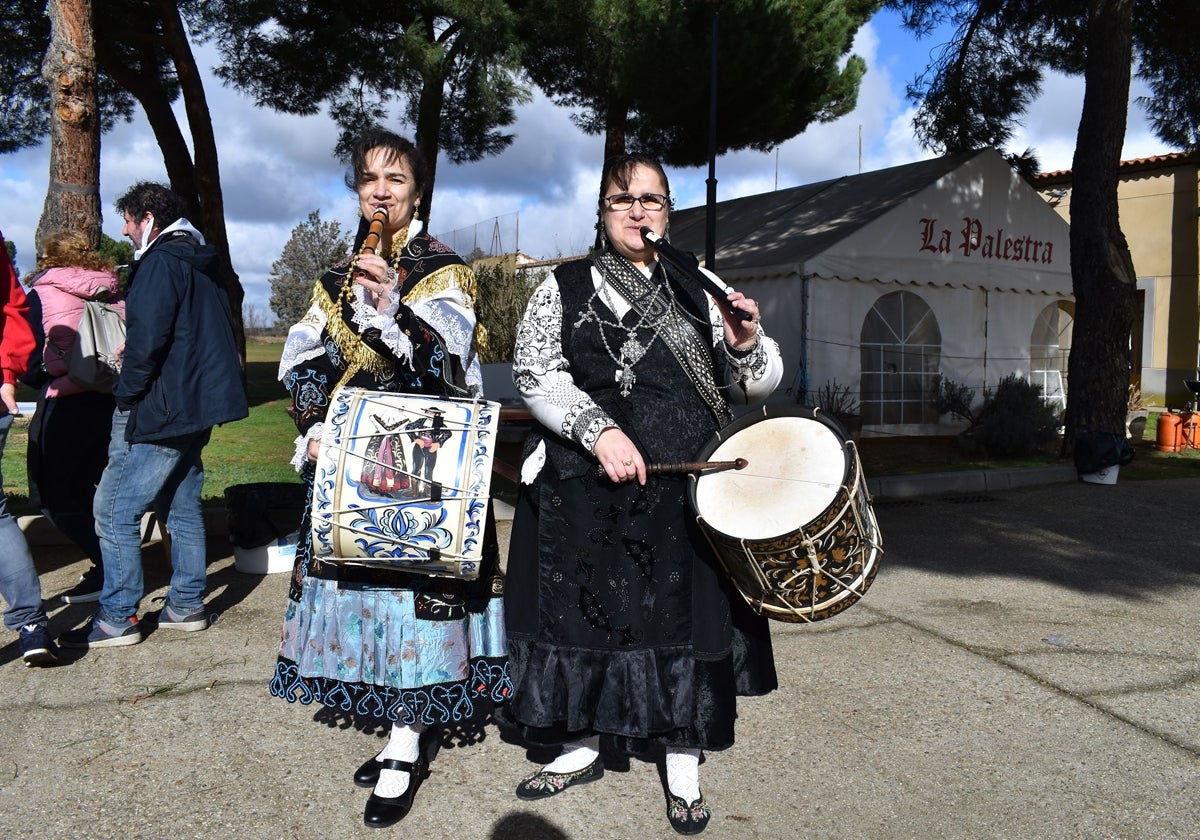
69,434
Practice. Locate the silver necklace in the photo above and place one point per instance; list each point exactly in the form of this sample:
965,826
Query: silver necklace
632,349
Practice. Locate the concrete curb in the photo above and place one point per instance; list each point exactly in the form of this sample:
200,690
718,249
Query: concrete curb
966,481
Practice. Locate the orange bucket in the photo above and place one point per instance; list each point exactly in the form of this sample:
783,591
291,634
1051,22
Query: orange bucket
1168,433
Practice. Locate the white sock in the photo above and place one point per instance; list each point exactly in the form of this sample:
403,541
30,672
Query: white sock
575,755
683,773
403,745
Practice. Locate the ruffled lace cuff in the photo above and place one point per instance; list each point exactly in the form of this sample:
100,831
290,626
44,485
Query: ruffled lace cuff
300,458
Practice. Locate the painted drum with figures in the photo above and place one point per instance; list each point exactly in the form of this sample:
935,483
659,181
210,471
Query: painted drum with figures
403,482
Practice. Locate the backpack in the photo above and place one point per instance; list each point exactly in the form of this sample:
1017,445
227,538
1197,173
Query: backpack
93,362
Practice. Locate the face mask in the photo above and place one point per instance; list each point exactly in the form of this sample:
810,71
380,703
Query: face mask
145,236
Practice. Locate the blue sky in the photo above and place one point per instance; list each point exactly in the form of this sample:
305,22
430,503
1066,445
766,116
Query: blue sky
539,195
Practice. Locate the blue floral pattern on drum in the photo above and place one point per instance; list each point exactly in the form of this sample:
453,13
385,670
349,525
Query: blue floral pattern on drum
398,529
434,534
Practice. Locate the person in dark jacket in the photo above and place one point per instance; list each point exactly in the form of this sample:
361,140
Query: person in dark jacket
180,376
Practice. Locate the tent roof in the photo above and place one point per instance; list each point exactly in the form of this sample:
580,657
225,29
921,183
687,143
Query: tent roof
867,227
792,225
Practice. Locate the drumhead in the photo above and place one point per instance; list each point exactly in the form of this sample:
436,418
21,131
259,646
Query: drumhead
796,464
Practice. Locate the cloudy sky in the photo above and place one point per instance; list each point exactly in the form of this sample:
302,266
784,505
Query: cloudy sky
539,195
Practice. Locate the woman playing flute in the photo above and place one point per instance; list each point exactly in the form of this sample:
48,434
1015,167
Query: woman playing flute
419,652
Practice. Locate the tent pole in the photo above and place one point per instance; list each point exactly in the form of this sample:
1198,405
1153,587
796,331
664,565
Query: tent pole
710,227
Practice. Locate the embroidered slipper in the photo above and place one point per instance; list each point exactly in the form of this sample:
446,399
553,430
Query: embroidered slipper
687,818
542,784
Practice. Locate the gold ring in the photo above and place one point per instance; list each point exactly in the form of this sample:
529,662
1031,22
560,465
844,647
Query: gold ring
627,463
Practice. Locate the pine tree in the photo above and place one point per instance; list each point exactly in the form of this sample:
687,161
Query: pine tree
445,68
638,71
982,80
313,247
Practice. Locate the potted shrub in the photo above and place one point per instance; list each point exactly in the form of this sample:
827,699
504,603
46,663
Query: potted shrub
1136,414
837,401
1016,420
957,400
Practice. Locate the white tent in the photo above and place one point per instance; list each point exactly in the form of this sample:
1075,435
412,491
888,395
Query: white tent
878,282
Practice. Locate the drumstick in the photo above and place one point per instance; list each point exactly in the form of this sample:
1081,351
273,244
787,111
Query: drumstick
689,466
696,466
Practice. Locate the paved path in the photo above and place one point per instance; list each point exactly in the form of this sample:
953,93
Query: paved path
1025,666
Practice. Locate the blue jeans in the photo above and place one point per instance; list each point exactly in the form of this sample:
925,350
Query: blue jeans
169,476
19,584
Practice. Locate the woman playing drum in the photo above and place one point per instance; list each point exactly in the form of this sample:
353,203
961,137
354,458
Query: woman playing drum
619,623
418,651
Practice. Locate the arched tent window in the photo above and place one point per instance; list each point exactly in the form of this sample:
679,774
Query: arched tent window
901,353
1049,347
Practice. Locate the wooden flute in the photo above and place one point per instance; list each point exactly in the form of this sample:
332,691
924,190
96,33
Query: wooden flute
374,231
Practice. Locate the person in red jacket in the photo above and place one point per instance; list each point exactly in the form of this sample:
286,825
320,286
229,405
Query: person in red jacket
20,588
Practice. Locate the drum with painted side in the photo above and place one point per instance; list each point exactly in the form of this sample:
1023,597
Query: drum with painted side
794,528
402,482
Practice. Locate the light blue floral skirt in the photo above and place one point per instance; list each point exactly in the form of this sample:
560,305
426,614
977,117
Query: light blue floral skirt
364,651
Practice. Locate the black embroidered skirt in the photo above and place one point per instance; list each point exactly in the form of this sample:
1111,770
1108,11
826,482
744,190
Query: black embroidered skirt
619,621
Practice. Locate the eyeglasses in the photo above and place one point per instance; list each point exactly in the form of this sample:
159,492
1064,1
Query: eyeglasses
649,201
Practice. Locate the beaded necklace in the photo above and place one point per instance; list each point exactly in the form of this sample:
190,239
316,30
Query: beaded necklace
652,315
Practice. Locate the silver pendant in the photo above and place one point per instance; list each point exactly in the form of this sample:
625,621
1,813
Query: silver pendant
632,351
626,377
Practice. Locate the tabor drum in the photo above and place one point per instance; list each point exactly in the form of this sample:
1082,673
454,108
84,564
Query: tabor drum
402,482
794,528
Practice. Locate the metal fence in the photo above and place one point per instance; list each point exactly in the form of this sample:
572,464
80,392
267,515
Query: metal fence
489,238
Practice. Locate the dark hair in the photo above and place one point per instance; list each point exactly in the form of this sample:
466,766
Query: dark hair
160,201
397,147
619,168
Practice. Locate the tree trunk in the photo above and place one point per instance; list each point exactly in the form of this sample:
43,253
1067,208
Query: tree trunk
429,108
73,197
429,126
147,89
616,127
1102,272
207,175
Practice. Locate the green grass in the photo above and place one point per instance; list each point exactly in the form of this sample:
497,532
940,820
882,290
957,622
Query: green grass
256,449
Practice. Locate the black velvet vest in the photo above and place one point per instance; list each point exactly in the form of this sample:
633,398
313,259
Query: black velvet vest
663,414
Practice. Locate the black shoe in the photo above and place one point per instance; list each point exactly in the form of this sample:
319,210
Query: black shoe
367,775
542,784
382,811
687,818
88,588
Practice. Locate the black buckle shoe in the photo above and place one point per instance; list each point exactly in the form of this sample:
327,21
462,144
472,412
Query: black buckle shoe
687,818
383,811
367,775
542,784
